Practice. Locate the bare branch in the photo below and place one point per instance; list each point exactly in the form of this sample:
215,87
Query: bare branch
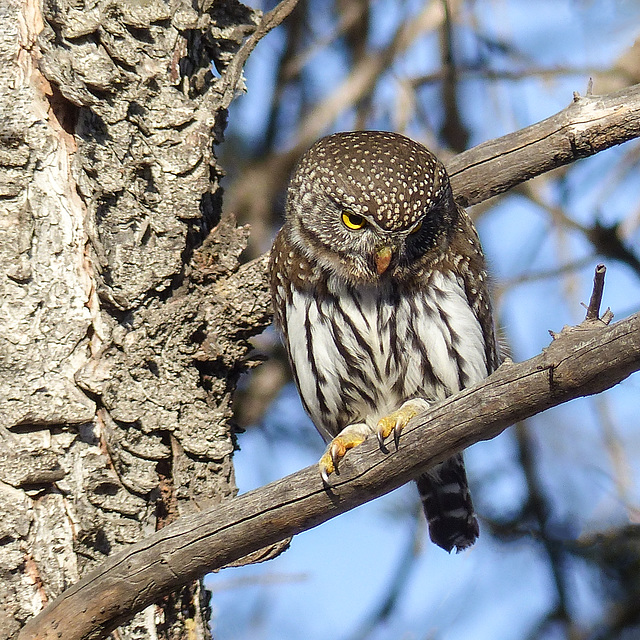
580,361
363,78
588,125
271,20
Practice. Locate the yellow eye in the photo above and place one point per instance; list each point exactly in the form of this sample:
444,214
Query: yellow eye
417,228
353,220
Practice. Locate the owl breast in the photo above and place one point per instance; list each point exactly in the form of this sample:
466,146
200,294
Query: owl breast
358,354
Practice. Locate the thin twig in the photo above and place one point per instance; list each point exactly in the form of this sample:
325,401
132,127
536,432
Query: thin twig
395,588
593,310
538,505
234,69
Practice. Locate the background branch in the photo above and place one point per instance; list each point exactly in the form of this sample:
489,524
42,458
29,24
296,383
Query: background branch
233,74
580,361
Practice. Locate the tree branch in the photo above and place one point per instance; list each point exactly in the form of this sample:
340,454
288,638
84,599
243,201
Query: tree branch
593,310
588,125
580,361
233,74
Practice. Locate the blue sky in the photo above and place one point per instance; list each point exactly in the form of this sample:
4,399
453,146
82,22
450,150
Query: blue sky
333,576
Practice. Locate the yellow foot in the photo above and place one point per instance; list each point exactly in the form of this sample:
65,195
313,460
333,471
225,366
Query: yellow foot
395,422
349,437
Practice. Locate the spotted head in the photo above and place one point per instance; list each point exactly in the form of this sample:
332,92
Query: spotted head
369,205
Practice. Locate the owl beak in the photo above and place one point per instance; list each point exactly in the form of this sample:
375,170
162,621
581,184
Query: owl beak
383,258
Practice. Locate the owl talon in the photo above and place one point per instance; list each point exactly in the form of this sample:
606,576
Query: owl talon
325,476
349,437
391,424
395,422
397,429
327,465
337,451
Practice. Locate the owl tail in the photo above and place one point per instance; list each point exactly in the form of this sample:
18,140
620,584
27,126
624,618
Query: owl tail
447,504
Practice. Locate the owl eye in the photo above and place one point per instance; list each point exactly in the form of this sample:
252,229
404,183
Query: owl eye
416,228
353,220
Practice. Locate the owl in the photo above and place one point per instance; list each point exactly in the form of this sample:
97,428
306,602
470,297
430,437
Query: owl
380,293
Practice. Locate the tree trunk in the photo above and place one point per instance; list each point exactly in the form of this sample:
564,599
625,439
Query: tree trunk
121,331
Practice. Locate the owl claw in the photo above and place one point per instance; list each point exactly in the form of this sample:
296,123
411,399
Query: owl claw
327,466
397,429
395,422
325,476
348,438
337,451
391,424
329,462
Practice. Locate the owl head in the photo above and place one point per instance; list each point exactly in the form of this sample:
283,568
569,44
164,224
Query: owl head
369,206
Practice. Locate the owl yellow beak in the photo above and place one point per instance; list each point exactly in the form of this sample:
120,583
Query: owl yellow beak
383,258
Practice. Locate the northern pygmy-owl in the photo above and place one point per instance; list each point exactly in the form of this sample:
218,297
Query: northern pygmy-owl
380,292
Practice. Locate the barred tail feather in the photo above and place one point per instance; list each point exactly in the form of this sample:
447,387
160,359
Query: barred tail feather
447,505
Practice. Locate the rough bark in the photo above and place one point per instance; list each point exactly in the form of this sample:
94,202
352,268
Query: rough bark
580,361
120,343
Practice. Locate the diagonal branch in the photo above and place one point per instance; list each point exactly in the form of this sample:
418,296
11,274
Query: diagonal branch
587,126
233,73
580,361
